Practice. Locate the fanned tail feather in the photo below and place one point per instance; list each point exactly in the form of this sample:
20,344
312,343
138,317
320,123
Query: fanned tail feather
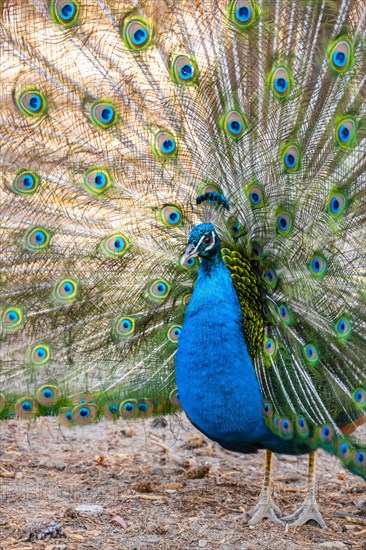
115,116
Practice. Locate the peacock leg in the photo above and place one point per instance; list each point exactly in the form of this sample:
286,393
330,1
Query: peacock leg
309,509
265,508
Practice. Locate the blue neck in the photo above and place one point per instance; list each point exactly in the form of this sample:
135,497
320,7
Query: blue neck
218,388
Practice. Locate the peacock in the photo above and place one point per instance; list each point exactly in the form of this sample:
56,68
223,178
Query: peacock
183,220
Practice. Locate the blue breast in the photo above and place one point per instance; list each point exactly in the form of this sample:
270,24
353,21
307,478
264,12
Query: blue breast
218,388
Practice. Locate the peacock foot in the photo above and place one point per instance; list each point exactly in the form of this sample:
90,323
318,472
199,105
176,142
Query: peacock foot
264,509
308,511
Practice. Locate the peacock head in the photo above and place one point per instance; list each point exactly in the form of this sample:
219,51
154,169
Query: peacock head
203,241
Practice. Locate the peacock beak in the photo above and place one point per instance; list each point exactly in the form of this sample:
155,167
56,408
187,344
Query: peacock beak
191,251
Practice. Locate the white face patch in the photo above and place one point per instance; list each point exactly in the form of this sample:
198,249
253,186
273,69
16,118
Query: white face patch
212,243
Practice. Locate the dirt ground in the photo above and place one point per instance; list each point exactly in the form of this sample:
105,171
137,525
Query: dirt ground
149,486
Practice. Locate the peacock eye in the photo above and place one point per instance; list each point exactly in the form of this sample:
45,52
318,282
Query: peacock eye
12,319
103,114
207,240
291,158
171,216
37,239
344,451
159,290
256,195
285,428
318,266
115,245
65,12
96,181
346,132
165,145
25,182
137,34
284,223
184,70
340,55
337,204
39,355
242,13
280,81
47,395
311,354
234,124
174,398
125,327
174,332
65,292
31,102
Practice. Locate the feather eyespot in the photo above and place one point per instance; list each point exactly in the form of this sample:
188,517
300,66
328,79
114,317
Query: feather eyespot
285,314
111,411
174,398
346,132
236,228
359,397
284,223
125,327
186,299
103,114
311,354
31,102
285,428
25,183
271,278
343,328
40,355
66,418
145,408
291,158
242,13
97,180
12,319
37,239
128,409
325,433
340,55
267,409
318,266
115,245
359,460
269,347
234,124
65,291
337,204
173,333
210,188
344,451
137,34
159,290
184,70
65,12
26,408
256,250
84,414
189,265
281,82
171,216
302,427
83,398
165,145
255,195
47,395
